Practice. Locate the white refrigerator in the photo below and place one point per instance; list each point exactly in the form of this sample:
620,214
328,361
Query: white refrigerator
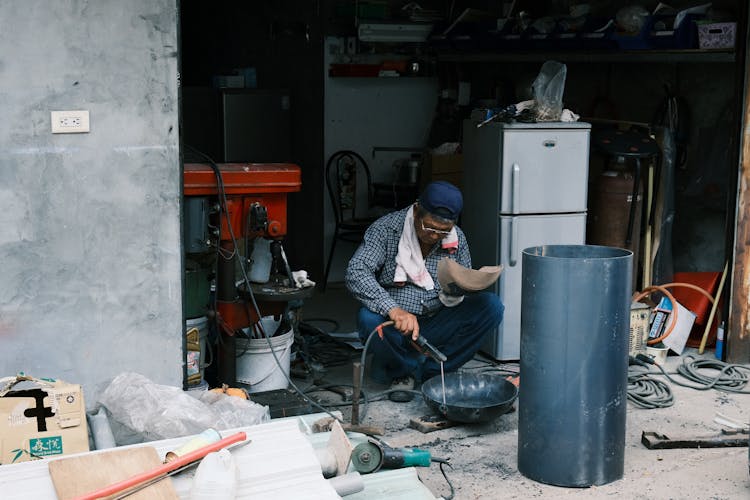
524,185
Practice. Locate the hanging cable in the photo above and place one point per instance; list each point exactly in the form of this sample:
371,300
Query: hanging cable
450,484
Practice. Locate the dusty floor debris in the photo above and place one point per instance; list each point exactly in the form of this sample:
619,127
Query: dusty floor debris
484,456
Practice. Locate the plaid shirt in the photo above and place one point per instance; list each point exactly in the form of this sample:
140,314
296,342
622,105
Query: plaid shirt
369,276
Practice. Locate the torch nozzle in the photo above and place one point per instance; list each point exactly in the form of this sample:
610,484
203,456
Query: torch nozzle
429,350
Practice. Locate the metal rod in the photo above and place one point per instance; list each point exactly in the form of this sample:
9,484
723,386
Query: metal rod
633,202
357,366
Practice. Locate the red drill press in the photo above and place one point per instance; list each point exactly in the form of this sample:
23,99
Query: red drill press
231,203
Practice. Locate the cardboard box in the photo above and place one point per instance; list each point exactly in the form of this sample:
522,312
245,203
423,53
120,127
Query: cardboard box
444,168
40,418
446,163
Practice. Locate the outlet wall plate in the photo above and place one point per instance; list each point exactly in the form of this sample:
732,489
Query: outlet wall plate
70,122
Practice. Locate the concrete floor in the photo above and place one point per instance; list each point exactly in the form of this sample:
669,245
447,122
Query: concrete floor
484,456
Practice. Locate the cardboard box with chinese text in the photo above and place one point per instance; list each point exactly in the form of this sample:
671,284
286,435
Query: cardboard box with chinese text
40,418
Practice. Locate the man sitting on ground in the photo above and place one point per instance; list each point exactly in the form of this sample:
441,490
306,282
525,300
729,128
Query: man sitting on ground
394,274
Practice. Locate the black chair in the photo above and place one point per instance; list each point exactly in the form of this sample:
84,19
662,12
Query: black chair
633,145
346,171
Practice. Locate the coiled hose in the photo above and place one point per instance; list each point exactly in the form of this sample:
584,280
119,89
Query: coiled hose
648,392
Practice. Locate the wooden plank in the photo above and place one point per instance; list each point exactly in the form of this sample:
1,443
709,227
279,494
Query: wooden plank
738,335
430,423
77,476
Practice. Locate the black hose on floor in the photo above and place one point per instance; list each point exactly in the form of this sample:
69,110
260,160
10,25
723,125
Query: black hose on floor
648,392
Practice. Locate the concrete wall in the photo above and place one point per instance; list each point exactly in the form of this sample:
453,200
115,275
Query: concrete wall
90,223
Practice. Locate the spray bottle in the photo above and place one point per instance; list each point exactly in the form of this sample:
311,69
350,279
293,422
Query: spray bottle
720,342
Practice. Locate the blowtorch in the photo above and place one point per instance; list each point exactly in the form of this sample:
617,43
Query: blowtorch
423,346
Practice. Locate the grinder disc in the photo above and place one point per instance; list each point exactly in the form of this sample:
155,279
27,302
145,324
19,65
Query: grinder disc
367,457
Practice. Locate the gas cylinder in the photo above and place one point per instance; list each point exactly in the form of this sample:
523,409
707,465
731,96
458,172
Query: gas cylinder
613,195
610,212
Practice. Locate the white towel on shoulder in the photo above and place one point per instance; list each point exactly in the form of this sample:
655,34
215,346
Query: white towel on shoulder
409,261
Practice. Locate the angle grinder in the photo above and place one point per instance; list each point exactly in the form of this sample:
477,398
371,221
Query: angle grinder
372,456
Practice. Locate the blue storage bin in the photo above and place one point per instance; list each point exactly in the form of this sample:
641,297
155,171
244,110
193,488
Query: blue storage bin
505,38
533,40
465,36
663,36
597,34
511,41
634,41
567,33
566,41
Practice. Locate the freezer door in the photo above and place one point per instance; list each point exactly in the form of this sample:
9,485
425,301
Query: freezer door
516,234
544,170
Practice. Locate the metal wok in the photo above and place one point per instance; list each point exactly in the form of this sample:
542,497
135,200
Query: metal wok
470,397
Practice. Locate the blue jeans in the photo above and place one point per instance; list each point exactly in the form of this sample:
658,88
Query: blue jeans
458,332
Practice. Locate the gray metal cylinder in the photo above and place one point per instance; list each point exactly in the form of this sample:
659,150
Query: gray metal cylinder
575,318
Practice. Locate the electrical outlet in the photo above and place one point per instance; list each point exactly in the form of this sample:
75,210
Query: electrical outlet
70,122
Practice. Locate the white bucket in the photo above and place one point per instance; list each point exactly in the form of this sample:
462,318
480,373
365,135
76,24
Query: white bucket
196,360
201,387
256,366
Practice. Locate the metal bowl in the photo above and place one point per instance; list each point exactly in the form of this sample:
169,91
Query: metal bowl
470,397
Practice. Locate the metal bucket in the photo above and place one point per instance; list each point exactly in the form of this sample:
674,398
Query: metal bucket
575,313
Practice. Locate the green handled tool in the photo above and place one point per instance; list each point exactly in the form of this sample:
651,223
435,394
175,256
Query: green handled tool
371,457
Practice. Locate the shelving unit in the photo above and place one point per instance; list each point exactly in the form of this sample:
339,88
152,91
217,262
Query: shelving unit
635,56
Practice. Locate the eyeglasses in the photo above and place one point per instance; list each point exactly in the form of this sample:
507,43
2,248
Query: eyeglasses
436,231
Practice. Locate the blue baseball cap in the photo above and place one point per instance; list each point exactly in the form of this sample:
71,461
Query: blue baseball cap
442,199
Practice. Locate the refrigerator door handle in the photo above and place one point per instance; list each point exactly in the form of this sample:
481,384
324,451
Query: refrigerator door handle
515,182
513,246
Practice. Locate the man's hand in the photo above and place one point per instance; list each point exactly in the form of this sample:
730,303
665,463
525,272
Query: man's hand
405,322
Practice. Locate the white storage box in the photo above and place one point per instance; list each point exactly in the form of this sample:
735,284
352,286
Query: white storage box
717,35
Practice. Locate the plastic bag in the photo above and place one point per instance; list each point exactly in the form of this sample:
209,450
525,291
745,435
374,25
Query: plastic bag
631,19
140,410
548,88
